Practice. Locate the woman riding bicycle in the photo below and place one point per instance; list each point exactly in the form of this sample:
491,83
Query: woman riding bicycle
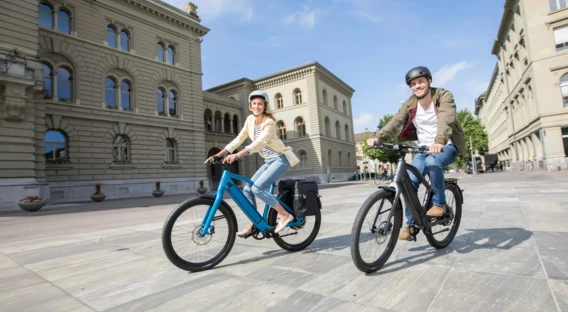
260,127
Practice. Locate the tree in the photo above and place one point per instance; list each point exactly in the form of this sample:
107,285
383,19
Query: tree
473,128
379,154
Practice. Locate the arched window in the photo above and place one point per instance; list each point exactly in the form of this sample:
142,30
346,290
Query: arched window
300,127
298,96
329,158
160,52
47,80
160,101
564,89
327,127
235,124
339,164
111,36
281,128
121,149
345,108
124,41
208,120
347,135
348,159
64,21
171,55
172,103
64,84
279,101
170,154
218,122
125,95
227,123
55,147
338,130
335,101
45,15
303,160
110,92
324,97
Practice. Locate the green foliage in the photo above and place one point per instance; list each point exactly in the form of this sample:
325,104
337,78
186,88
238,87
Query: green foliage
473,128
382,155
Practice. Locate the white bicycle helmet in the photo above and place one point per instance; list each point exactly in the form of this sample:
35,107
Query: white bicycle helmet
258,93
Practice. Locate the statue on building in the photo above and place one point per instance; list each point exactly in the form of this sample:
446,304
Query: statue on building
191,8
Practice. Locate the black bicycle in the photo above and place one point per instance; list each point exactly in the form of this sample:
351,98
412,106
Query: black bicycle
380,217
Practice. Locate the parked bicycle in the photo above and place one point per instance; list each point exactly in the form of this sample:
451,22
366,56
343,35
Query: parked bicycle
201,232
380,217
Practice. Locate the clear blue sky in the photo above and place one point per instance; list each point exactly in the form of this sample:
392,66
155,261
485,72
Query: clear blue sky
369,44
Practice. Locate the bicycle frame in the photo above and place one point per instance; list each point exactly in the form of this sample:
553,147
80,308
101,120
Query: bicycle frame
228,184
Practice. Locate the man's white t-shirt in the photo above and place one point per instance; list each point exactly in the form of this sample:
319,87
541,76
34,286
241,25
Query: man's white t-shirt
426,123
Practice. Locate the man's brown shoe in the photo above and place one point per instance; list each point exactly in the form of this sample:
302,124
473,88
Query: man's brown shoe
405,235
436,211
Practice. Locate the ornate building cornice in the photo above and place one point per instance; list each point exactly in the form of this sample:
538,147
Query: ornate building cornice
505,26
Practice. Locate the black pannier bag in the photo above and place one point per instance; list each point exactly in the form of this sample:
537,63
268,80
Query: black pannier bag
306,198
286,191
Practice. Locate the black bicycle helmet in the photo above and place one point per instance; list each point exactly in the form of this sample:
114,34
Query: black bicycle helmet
420,71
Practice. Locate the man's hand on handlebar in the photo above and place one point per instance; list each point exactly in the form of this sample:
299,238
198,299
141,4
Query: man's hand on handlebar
374,142
435,148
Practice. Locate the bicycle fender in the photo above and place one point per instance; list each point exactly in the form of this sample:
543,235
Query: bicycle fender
389,189
455,182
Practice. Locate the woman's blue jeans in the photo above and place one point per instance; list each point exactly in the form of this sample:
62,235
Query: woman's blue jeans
264,177
433,165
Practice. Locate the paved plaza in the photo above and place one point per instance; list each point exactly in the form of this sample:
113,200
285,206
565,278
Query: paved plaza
511,254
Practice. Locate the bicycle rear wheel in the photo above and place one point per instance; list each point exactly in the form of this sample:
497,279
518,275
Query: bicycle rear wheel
371,229
297,237
188,250
443,234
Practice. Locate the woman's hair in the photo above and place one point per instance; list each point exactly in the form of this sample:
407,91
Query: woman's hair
268,114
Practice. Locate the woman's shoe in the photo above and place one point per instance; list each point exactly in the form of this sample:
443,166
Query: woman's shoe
245,233
282,224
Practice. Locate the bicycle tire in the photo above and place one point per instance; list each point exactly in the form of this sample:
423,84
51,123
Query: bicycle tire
169,249
369,203
455,224
272,215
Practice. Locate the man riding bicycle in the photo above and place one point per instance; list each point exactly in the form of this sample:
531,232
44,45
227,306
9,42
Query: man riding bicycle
429,116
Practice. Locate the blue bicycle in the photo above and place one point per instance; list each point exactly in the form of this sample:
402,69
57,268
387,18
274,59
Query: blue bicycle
201,232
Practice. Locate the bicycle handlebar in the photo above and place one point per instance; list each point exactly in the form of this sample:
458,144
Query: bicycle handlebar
400,147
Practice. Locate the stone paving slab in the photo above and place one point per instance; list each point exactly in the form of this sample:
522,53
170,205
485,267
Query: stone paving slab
511,253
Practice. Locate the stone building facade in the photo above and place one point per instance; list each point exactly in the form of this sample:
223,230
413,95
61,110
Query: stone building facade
110,92
525,109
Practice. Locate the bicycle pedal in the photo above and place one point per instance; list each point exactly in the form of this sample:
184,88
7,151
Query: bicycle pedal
246,235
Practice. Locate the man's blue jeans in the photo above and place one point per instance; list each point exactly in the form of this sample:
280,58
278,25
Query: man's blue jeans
264,177
433,165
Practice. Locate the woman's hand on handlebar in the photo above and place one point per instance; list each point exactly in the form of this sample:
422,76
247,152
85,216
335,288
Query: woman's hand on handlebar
230,159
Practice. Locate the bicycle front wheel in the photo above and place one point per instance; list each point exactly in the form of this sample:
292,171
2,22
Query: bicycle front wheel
374,236
443,234
182,242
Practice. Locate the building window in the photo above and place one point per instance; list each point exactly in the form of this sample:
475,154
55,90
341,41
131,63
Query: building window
47,80
348,159
160,101
556,5
561,38
121,149
279,101
281,126
45,15
125,95
172,103
335,102
64,84
345,108
565,141
124,41
160,52
55,147
170,152
171,55
327,127
338,130
324,97
110,93
235,124
300,127
64,21
208,120
347,133
227,123
298,96
564,89
303,160
111,36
